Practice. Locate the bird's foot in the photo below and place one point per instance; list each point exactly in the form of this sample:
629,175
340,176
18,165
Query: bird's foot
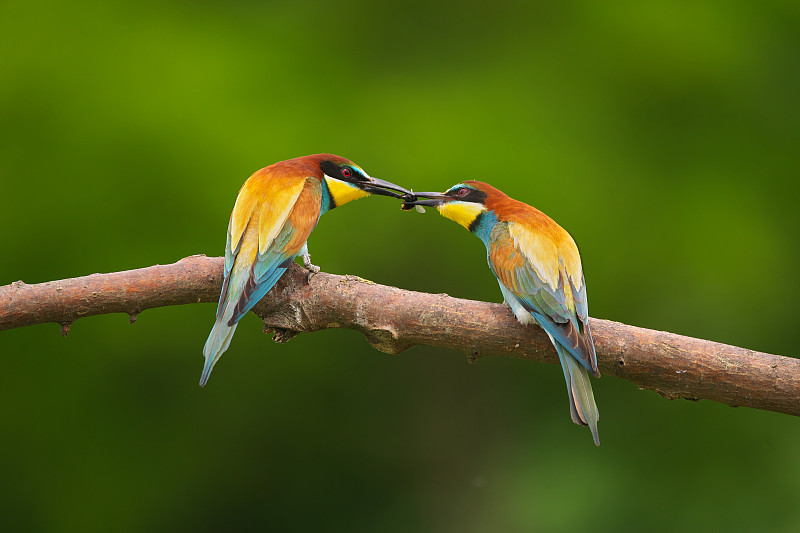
312,268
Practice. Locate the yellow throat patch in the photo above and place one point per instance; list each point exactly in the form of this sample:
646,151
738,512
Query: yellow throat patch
343,192
464,213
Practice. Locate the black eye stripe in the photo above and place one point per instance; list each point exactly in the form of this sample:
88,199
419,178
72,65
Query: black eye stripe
467,194
346,172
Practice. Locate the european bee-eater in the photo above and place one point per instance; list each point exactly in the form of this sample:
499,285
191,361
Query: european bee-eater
275,212
538,267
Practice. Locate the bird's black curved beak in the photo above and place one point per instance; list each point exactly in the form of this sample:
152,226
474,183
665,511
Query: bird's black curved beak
434,199
382,188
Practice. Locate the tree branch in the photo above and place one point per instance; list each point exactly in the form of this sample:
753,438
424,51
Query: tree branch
393,320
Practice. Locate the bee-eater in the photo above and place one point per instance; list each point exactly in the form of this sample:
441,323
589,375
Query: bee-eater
275,212
538,267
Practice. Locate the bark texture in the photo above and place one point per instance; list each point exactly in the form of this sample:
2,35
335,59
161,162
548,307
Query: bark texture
394,319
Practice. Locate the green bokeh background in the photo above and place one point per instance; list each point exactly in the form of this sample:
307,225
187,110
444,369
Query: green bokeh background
664,136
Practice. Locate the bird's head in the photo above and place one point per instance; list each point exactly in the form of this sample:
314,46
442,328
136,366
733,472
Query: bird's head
347,181
464,202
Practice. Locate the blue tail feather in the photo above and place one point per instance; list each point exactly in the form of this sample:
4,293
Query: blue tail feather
579,389
221,334
218,341
229,312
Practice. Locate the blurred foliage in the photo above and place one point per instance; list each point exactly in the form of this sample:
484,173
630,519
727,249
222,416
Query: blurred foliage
664,136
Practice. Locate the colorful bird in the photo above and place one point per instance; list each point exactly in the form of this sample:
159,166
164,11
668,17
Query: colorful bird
275,212
538,267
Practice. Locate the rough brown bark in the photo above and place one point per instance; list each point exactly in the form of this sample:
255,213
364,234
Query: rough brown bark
393,320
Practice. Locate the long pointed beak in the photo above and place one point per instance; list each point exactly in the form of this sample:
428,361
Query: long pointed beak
434,199
383,188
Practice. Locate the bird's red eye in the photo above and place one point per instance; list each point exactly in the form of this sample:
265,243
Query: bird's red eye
462,192
346,172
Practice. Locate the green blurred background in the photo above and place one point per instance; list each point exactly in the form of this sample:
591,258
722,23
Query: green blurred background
663,136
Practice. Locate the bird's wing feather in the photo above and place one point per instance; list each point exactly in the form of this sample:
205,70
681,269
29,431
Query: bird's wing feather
249,206
281,231
545,275
271,220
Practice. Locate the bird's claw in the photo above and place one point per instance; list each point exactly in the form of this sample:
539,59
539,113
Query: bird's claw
312,268
308,264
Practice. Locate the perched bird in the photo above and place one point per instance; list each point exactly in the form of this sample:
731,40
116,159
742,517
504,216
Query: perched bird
275,212
538,267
